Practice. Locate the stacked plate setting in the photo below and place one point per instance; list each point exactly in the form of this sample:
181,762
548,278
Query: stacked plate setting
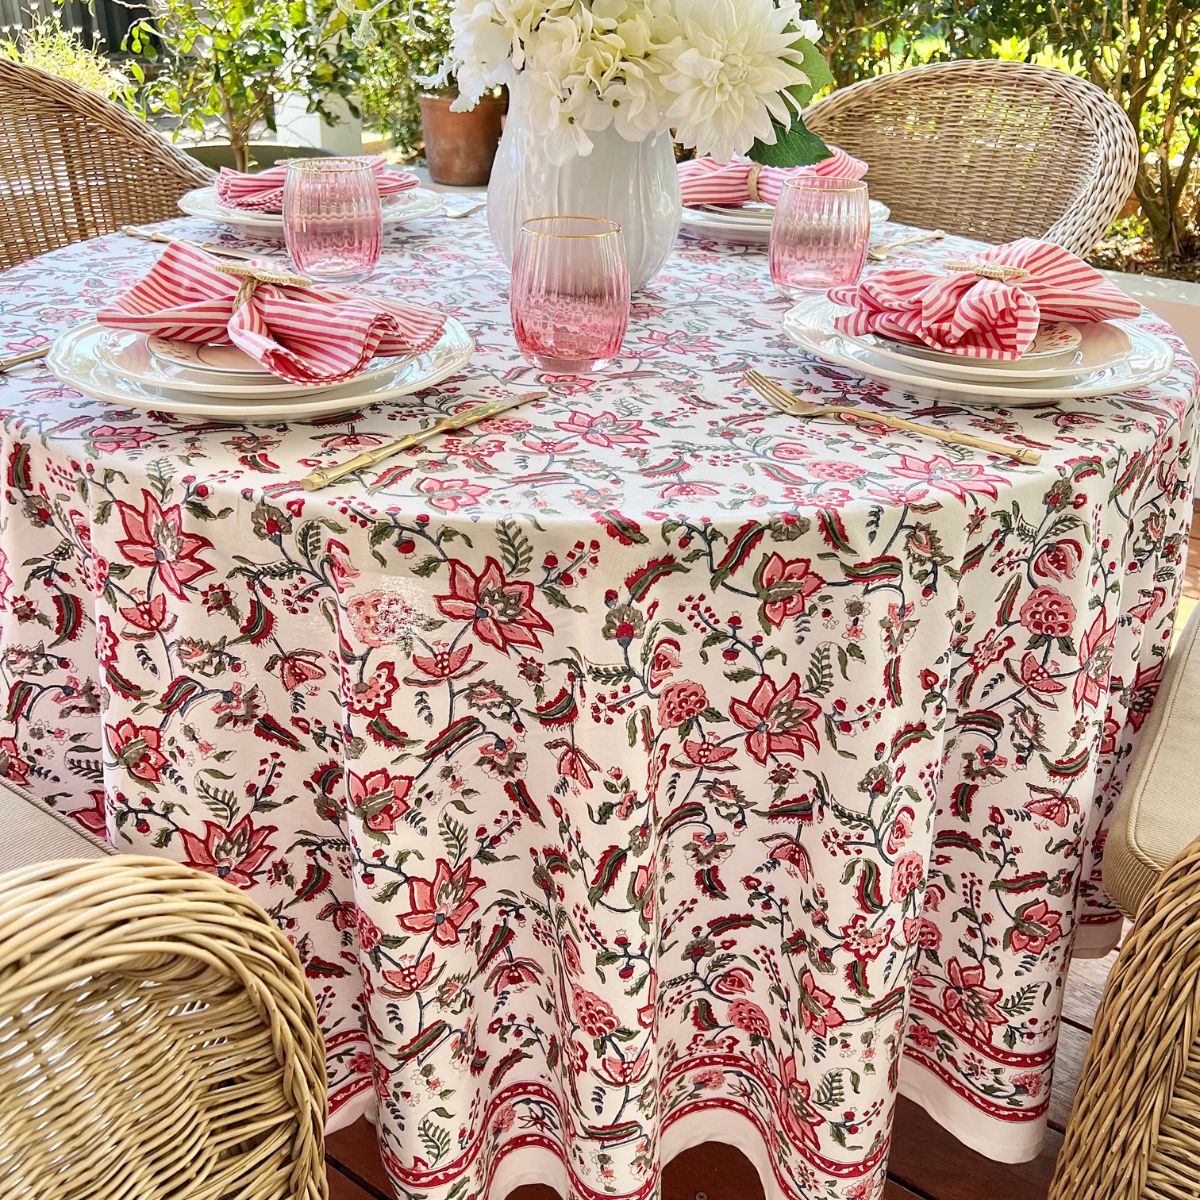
749,225
397,210
221,383
1065,362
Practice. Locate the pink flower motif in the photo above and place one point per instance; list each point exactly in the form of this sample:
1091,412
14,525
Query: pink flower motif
605,429
232,853
12,765
664,662
443,904
801,1119
107,439
501,610
380,618
594,1015
786,587
451,494
379,798
1049,613
908,874
1059,561
681,702
708,754
968,1003
818,1013
136,748
958,479
409,977
1095,661
747,1015
780,719
154,538
1037,926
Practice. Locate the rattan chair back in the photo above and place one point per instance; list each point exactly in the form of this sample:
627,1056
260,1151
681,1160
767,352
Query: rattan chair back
73,166
157,1040
991,150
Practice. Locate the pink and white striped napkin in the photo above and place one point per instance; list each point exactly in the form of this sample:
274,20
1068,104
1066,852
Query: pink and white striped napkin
706,181
263,191
300,334
963,313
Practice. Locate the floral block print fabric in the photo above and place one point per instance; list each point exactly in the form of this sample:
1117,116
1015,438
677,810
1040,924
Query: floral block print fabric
638,768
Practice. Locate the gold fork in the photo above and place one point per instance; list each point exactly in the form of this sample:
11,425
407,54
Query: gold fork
793,406
880,253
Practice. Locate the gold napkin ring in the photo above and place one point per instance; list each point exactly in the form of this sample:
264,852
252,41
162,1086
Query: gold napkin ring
987,270
251,276
752,182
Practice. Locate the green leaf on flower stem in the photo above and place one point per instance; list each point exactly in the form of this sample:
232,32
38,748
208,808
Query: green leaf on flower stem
794,147
813,64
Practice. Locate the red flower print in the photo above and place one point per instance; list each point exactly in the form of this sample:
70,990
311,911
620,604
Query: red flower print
680,702
1039,679
968,1003
1144,611
441,664
500,609
786,587
1051,805
380,618
408,977
605,429
901,829
1049,613
800,1118
1059,561
747,1015
665,662
594,1015
108,439
441,904
1037,926
1142,693
573,764
708,754
296,669
817,1011
780,720
621,1072
379,798
922,932
373,697
958,479
154,537
12,765
1030,1082
791,851
234,854
514,975
908,874
148,616
1095,661
867,944
451,494
734,981
135,747
369,934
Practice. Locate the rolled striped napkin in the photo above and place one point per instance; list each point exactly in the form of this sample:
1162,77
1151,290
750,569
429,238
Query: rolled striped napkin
988,305
706,181
263,191
304,335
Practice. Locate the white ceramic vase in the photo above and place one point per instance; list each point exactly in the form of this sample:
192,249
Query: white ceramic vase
633,183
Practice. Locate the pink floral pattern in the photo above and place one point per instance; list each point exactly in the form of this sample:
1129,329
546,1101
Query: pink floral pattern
641,764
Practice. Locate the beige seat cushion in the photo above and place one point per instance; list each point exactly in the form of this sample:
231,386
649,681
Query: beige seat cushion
1159,810
31,832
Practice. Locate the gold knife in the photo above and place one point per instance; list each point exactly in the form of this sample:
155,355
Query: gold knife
323,476
6,364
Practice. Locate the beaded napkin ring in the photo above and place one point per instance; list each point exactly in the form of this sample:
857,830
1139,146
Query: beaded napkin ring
985,270
252,276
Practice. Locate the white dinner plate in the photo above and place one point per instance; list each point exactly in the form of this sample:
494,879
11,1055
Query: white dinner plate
225,362
1099,345
750,226
397,209
74,360
130,355
810,326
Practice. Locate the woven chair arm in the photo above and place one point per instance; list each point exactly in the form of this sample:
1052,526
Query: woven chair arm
1135,1127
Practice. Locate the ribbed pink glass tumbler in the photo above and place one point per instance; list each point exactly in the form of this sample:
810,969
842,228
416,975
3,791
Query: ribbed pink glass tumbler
332,218
820,233
570,292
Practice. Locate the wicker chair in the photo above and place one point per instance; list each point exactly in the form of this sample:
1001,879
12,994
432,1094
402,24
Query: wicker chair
1134,1133
73,166
992,150
157,1036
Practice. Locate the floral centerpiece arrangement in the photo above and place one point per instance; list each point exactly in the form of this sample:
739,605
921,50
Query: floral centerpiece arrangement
600,86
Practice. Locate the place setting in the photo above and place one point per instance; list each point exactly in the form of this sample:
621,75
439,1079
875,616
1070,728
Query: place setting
1024,323
252,204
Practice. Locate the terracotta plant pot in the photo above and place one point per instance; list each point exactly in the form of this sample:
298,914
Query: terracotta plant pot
460,146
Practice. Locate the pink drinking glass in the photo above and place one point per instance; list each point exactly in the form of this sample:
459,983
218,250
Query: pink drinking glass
332,218
570,292
819,234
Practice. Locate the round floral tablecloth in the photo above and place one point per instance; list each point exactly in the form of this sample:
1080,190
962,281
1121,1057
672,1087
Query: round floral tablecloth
637,769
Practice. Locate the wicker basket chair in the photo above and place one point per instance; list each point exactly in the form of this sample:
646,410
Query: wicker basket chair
1134,1133
991,150
157,1039
73,166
